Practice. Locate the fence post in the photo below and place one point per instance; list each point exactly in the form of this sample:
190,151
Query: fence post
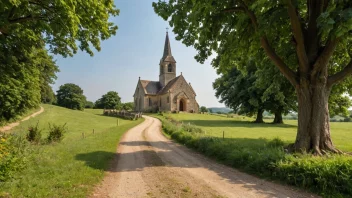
223,135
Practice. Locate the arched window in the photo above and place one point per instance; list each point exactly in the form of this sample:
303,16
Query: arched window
169,68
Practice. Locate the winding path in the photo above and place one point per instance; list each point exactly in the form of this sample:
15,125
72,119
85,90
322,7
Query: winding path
14,124
149,165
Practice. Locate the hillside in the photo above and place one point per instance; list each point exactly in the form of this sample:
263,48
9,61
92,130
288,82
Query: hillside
62,168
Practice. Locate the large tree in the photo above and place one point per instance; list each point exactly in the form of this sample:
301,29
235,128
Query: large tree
71,96
110,100
308,41
255,90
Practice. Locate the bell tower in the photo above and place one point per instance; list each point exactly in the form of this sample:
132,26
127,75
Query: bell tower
167,64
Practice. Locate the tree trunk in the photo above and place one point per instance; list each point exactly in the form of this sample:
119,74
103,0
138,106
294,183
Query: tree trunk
313,120
259,116
278,118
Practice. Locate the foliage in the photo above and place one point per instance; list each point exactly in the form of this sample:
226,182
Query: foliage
64,24
71,96
34,134
19,82
128,106
13,149
48,70
25,78
89,105
56,132
203,109
248,93
110,100
329,176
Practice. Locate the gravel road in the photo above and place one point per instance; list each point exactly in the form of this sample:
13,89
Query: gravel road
148,164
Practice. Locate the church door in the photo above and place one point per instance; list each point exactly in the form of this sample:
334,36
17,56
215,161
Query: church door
181,106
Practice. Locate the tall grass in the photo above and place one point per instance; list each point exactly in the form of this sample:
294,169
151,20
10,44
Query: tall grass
330,176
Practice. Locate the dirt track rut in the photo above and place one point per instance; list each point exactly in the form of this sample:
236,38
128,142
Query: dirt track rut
149,165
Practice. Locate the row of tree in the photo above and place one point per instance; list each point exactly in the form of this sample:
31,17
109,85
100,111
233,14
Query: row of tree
71,96
261,88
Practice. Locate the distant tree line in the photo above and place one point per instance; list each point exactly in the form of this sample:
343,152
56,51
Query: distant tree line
71,96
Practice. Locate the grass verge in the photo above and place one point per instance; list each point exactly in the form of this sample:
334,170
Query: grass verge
329,176
72,167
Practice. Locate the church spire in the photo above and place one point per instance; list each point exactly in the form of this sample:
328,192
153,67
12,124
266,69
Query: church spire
167,56
167,47
167,64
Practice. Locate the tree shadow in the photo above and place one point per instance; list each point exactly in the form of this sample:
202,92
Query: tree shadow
236,123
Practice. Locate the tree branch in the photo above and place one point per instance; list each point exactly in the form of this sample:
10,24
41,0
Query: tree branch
285,70
323,59
299,37
341,75
280,64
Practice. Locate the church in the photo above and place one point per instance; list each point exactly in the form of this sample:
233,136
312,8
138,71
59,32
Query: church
170,94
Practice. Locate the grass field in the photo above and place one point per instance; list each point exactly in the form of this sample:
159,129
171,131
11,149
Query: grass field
72,167
241,127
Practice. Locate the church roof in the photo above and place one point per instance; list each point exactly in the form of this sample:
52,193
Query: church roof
167,56
151,87
168,86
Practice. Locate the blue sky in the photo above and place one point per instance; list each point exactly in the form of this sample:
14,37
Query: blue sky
135,51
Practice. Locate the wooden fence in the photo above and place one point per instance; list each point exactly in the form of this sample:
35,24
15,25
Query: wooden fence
123,114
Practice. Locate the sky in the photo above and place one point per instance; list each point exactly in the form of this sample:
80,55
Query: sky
135,51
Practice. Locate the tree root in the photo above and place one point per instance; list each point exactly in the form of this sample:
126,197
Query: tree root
291,148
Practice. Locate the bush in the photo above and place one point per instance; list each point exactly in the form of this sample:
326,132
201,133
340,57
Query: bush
56,132
13,150
34,134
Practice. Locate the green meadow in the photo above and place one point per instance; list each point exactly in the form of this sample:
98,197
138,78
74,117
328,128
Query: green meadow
72,167
242,127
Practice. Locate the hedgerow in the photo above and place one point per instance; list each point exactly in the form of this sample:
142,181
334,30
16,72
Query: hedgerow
330,176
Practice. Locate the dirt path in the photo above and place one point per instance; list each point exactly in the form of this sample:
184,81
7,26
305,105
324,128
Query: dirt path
150,165
14,124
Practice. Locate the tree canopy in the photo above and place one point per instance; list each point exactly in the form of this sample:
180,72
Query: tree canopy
71,96
110,100
64,24
128,106
203,109
308,41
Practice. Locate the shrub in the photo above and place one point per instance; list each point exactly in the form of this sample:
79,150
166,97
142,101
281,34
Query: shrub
34,134
13,150
56,132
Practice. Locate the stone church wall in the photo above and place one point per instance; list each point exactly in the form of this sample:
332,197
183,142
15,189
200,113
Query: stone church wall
153,105
165,105
181,89
139,98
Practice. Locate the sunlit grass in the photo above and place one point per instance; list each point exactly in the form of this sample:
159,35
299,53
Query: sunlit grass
241,127
70,168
